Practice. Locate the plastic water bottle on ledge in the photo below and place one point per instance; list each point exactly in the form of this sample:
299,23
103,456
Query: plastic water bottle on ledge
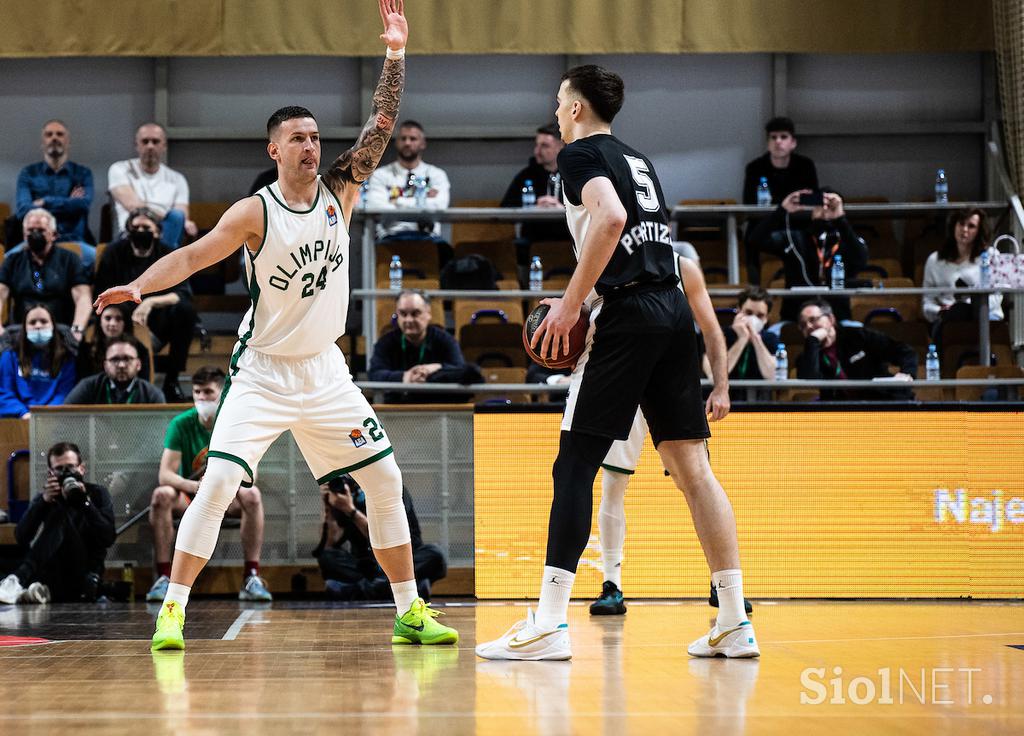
941,187
421,192
838,273
364,193
536,274
529,196
764,194
984,270
781,363
395,273
931,364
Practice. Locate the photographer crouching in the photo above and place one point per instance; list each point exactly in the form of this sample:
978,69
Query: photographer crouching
349,569
67,530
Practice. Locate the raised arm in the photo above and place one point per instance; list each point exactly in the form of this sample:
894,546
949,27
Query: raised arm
355,165
242,223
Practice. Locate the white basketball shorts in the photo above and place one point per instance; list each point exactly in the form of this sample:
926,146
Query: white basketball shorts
625,454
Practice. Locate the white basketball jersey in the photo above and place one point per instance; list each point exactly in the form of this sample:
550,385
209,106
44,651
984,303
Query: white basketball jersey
298,279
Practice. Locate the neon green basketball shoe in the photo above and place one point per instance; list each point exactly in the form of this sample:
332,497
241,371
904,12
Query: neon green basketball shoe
417,626
168,628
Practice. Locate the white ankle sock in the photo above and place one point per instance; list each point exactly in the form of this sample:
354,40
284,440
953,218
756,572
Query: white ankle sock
729,585
555,592
177,593
405,593
611,561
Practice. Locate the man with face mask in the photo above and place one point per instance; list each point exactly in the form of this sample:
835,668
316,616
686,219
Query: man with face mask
45,274
182,467
169,314
119,383
59,186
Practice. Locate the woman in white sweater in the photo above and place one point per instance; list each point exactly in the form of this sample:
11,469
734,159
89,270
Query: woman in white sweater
957,263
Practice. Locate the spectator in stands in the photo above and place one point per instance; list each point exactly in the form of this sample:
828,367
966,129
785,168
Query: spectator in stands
394,187
65,532
553,377
418,352
147,182
835,352
751,346
46,274
169,314
956,265
120,382
60,187
808,239
349,569
182,466
785,171
39,370
542,171
114,322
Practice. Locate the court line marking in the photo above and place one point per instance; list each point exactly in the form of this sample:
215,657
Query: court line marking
236,627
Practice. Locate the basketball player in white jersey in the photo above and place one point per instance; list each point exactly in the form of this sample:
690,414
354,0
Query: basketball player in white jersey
286,372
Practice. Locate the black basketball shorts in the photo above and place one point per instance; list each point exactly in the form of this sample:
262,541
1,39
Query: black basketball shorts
641,351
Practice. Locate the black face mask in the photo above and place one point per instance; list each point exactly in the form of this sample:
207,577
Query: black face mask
141,239
36,240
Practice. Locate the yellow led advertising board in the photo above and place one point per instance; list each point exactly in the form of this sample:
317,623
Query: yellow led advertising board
867,504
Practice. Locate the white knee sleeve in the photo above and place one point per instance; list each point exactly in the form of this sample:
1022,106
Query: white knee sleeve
385,513
611,517
200,525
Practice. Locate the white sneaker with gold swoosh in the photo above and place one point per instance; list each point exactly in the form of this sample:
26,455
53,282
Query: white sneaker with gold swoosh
526,641
737,641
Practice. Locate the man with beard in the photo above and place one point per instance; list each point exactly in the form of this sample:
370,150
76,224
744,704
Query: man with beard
59,186
45,274
147,182
397,185
169,314
119,383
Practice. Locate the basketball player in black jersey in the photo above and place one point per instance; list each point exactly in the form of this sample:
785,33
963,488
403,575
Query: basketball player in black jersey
641,351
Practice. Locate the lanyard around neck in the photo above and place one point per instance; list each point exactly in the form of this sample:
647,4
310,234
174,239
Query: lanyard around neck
423,350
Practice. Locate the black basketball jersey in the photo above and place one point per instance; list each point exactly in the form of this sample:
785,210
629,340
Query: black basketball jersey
644,255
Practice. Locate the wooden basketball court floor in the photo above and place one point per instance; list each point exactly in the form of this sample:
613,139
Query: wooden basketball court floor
315,667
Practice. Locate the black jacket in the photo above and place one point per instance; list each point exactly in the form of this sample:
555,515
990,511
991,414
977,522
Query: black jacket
120,265
800,174
94,521
808,260
98,389
863,354
534,231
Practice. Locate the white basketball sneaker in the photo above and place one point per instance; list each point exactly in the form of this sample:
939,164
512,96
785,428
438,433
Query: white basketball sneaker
738,641
526,641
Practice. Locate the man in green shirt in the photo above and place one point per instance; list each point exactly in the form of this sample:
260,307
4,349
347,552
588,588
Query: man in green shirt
181,468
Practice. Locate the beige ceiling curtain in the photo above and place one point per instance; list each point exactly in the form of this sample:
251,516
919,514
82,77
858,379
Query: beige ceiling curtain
1008,19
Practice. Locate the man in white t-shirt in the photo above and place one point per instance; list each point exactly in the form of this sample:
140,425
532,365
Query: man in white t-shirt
395,186
147,182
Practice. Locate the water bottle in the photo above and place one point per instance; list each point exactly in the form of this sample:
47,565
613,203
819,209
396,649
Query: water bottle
128,577
536,274
395,273
555,185
764,194
421,192
529,196
781,363
364,193
838,273
941,187
931,364
985,270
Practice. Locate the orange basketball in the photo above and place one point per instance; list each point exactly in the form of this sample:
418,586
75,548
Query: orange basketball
577,338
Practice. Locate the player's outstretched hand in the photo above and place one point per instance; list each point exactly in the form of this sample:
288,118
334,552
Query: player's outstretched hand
553,331
116,295
718,405
396,28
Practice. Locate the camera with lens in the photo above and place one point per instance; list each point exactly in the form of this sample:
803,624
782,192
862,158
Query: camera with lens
71,482
337,485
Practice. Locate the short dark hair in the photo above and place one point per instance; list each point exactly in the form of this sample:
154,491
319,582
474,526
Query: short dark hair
949,251
123,340
754,294
604,90
208,374
412,124
780,124
549,129
60,448
818,302
286,113
144,212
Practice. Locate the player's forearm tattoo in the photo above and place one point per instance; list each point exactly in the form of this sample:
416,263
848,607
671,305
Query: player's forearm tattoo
357,163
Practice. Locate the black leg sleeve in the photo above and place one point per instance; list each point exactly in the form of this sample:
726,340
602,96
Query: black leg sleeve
579,458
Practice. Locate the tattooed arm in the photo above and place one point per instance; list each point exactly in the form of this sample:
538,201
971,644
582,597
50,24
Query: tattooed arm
355,165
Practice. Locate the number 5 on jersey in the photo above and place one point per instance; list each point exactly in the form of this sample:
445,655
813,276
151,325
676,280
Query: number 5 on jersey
645,194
